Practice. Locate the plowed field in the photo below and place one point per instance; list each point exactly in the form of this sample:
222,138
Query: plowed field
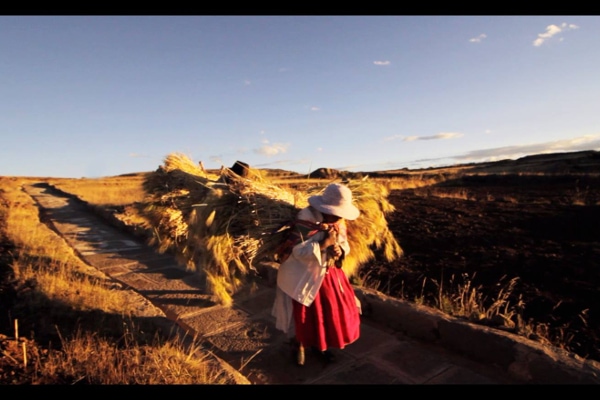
541,231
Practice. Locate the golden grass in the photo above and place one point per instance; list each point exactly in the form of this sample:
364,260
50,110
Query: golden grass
55,287
223,225
98,360
108,191
465,300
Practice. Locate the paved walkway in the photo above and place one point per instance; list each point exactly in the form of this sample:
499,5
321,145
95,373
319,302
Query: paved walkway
244,335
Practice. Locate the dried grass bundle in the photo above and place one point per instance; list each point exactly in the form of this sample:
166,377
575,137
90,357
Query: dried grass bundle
171,191
370,232
222,225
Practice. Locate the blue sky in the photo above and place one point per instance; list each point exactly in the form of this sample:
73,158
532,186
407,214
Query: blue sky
92,96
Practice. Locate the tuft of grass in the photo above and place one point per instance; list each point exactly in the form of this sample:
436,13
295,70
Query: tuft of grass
88,358
465,300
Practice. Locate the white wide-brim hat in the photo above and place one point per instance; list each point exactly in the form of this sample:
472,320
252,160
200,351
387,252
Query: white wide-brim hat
336,199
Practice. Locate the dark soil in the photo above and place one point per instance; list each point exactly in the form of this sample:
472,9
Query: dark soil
542,230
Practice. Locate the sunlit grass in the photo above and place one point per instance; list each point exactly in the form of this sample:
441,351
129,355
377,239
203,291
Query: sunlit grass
108,191
96,360
55,286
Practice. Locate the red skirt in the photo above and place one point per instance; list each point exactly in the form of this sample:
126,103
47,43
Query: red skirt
332,320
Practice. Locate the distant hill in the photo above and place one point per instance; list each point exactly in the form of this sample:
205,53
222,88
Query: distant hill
579,162
557,163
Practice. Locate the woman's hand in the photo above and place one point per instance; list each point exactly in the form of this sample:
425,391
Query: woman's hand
330,238
335,251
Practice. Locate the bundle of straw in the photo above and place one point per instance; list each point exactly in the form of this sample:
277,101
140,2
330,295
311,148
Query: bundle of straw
223,225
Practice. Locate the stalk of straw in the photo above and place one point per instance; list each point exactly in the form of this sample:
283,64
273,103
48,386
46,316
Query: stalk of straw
24,355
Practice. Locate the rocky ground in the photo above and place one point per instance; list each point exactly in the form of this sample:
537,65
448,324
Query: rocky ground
542,230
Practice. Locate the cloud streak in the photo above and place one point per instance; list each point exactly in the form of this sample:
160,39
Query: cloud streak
383,63
551,31
581,143
283,163
478,39
586,142
439,136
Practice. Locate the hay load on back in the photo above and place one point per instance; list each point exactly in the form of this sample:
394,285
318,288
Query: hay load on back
222,225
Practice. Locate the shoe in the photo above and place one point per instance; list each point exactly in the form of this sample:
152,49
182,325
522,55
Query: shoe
325,355
328,356
300,355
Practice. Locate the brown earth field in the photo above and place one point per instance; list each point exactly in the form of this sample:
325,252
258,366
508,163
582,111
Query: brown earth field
535,220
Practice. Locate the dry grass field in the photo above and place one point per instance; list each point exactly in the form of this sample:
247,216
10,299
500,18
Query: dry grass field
64,322
510,244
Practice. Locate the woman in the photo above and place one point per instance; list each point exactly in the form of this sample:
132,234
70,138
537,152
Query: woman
315,302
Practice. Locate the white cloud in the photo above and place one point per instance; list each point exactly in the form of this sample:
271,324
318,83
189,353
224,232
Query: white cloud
393,137
381,63
446,135
272,149
315,108
553,30
247,82
283,163
478,39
